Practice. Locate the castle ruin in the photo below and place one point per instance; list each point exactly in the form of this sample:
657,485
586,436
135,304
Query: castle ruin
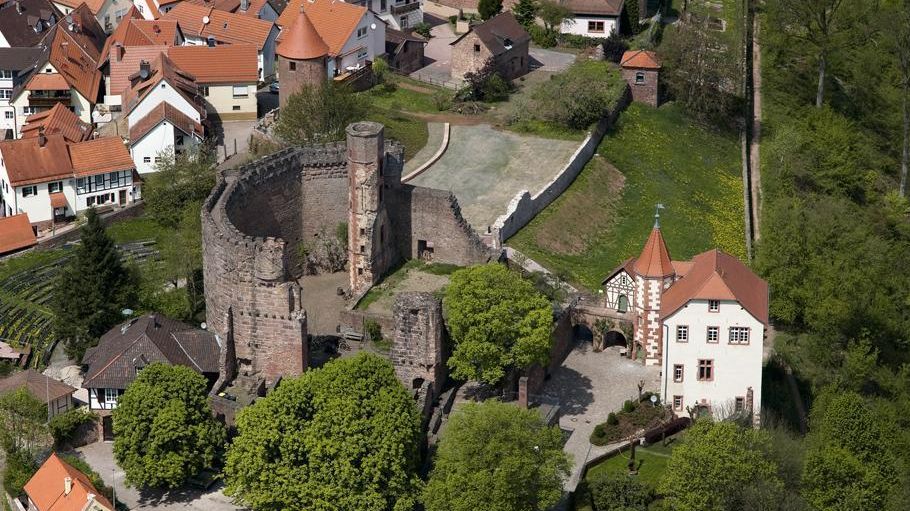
259,216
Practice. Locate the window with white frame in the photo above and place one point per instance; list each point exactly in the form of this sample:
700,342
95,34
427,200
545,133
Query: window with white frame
8,114
739,335
29,110
361,32
713,334
110,396
362,54
596,26
28,191
677,373
6,74
713,305
682,333
6,93
705,370
677,403
146,159
56,186
241,91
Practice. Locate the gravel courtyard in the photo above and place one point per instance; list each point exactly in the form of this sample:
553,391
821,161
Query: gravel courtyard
486,167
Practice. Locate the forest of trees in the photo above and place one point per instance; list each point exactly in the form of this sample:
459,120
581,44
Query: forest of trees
835,239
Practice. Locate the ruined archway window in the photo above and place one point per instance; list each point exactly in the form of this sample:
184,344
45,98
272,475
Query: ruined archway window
623,304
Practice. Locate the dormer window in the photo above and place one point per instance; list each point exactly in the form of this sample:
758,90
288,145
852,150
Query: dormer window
38,27
507,43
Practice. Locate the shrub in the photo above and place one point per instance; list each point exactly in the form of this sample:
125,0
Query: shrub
489,8
442,100
20,467
614,46
484,85
372,330
64,426
579,97
453,19
628,406
612,420
543,37
423,28
604,434
619,492
579,41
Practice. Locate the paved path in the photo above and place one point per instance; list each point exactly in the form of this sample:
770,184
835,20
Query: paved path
100,457
438,54
754,154
550,60
435,131
589,386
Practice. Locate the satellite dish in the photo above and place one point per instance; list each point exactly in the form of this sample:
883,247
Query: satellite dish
205,20
653,399
373,26
203,325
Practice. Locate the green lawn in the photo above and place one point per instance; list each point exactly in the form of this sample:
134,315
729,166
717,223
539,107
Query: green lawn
653,464
409,130
605,216
138,229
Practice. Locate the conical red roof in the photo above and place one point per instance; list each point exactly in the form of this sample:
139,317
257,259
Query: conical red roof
302,41
654,260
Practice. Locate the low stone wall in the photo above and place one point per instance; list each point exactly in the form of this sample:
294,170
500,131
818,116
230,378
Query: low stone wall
524,207
355,320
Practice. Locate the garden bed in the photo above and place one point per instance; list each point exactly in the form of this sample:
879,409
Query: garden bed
634,417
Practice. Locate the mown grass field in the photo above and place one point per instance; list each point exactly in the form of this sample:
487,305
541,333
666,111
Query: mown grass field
605,216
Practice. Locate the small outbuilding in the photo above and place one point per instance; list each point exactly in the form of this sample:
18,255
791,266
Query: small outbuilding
500,38
641,70
58,396
404,50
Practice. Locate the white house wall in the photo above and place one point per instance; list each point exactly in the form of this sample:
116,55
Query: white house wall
373,41
579,26
736,367
162,93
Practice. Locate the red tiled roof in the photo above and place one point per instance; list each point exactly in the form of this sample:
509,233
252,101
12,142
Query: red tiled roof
654,260
715,275
219,5
47,81
225,27
58,200
223,64
107,154
164,112
640,59
301,40
16,233
334,21
27,162
133,30
46,488
153,9
41,387
74,54
93,5
58,119
254,8
601,7
162,69
129,64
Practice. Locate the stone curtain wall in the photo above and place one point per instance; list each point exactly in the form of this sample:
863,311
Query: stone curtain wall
523,207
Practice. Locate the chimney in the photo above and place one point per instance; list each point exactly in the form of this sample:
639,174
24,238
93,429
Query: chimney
118,52
244,5
210,41
145,69
18,7
42,138
154,318
67,485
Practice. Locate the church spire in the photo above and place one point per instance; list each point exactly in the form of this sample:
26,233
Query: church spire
654,260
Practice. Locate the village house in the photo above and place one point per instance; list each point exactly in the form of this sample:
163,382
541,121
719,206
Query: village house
398,14
58,486
134,41
260,9
641,70
51,180
21,237
404,50
702,321
226,77
500,39
206,26
107,12
58,120
57,395
24,23
66,71
16,233
354,36
12,62
127,348
593,18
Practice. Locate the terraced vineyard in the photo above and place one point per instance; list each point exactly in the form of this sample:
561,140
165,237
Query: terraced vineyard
25,297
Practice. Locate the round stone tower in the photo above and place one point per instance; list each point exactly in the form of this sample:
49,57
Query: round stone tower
302,58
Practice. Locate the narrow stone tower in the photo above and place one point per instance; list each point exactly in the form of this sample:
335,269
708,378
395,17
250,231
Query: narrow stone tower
654,273
302,58
370,251
417,350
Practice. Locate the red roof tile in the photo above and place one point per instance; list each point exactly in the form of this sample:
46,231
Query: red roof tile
107,154
74,54
27,162
334,21
640,59
129,64
58,119
654,260
161,69
93,5
223,64
301,40
58,200
46,488
225,27
16,233
715,275
164,112
47,81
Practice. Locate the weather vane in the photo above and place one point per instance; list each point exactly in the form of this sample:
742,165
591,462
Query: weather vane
657,209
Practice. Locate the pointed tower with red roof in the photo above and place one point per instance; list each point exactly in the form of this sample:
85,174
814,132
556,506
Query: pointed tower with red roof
653,273
302,55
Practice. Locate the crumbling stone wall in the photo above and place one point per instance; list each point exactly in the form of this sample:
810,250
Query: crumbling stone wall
418,349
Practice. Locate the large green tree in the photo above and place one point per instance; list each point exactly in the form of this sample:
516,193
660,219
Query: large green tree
23,419
849,464
498,321
179,182
345,436
715,465
496,456
320,113
93,288
164,430
489,8
525,11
